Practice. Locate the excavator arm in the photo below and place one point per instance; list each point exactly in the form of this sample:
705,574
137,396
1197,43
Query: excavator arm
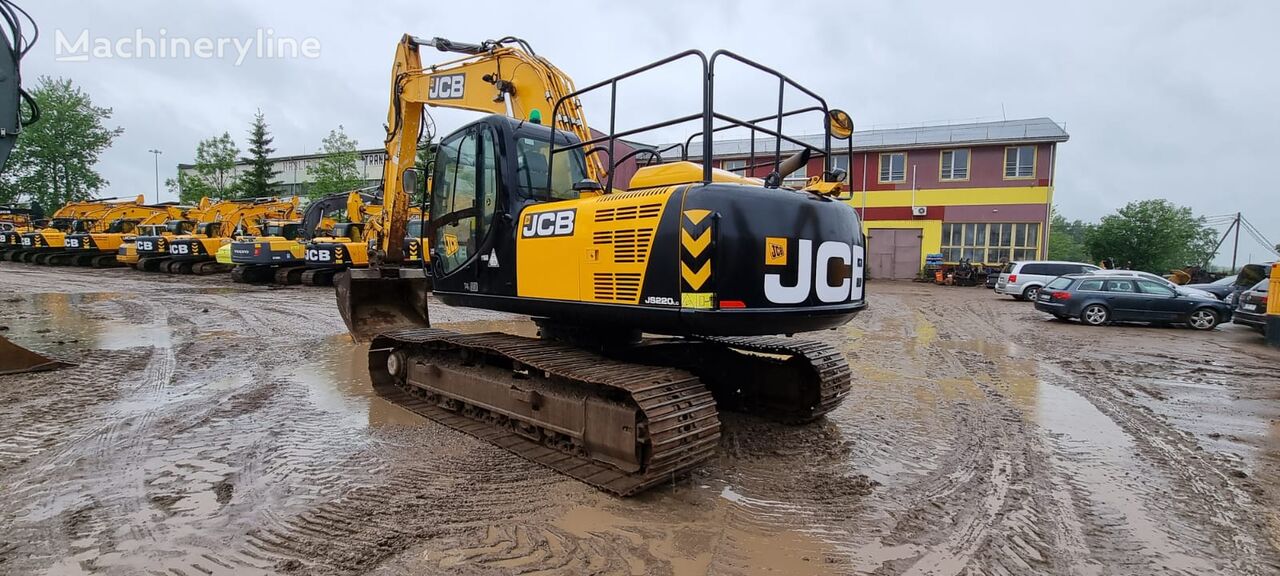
501,76
494,77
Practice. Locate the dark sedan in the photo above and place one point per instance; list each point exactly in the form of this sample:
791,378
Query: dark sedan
1098,299
1251,307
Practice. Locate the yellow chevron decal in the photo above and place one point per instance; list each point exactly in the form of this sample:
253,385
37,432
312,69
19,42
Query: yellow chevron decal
696,279
695,246
696,216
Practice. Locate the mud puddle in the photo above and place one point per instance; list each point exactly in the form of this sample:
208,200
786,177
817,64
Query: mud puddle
82,321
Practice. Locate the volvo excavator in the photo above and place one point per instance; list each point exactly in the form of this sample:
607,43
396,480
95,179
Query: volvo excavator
657,305
194,252
279,254
99,245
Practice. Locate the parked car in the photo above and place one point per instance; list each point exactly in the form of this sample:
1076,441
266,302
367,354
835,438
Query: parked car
1160,279
1023,280
1222,287
1251,306
1102,298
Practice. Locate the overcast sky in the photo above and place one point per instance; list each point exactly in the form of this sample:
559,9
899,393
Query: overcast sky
1161,99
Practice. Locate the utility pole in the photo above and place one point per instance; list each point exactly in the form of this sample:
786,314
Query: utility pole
158,153
1236,248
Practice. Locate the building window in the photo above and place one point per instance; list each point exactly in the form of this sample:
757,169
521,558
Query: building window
990,243
799,177
1019,162
841,162
734,166
954,165
893,167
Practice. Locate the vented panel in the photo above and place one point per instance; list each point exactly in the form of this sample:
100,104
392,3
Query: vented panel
629,246
619,196
619,287
628,212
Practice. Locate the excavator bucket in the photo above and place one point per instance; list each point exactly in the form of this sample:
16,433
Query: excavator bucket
371,303
15,359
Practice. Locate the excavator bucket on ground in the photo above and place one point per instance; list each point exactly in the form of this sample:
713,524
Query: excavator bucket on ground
371,303
15,359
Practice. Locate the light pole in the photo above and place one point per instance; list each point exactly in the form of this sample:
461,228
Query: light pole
157,153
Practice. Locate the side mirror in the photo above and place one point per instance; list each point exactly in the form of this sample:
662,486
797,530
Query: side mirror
840,124
587,185
409,180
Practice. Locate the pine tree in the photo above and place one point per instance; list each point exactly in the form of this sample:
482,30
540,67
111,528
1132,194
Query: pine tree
259,180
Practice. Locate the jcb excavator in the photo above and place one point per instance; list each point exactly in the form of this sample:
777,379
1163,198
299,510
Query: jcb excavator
526,218
155,237
347,246
14,222
98,246
193,252
48,245
280,257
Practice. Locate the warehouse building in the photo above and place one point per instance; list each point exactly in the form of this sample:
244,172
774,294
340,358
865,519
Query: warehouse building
980,191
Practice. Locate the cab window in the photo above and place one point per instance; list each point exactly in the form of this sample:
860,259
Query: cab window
533,162
464,195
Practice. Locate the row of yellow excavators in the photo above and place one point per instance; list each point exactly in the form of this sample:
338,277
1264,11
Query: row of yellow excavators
263,240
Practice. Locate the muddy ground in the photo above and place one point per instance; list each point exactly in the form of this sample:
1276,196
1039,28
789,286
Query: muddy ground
213,428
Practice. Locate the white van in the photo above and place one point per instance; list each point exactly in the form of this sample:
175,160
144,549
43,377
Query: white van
1023,280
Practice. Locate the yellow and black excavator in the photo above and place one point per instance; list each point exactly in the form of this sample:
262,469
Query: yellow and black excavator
655,305
279,254
47,245
99,245
14,222
156,236
192,248
347,245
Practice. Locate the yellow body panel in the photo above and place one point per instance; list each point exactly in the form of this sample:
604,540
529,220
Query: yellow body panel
605,257
683,173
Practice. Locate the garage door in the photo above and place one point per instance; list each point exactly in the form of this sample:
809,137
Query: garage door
894,253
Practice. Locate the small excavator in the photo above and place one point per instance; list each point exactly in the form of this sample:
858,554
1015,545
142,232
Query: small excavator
659,301
279,254
14,222
347,246
193,252
48,244
99,245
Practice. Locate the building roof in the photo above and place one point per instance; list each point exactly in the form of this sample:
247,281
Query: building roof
932,136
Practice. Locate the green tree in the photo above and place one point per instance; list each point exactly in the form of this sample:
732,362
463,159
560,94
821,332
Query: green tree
1067,239
1152,235
53,161
213,174
426,154
259,180
338,170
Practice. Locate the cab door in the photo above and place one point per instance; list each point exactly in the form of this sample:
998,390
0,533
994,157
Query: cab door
464,196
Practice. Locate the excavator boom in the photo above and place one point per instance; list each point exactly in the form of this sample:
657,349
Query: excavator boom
500,76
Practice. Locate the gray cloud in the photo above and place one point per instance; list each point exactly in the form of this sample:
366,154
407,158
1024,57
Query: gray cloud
1162,99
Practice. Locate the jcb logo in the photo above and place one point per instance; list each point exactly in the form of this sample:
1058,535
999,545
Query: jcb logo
317,255
179,249
26,241
548,224
73,242
836,278
446,86
146,245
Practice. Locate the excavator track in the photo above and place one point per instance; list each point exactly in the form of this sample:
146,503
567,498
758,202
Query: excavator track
619,426
789,380
823,376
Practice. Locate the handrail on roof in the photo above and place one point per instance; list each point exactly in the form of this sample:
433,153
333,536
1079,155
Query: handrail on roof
708,116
